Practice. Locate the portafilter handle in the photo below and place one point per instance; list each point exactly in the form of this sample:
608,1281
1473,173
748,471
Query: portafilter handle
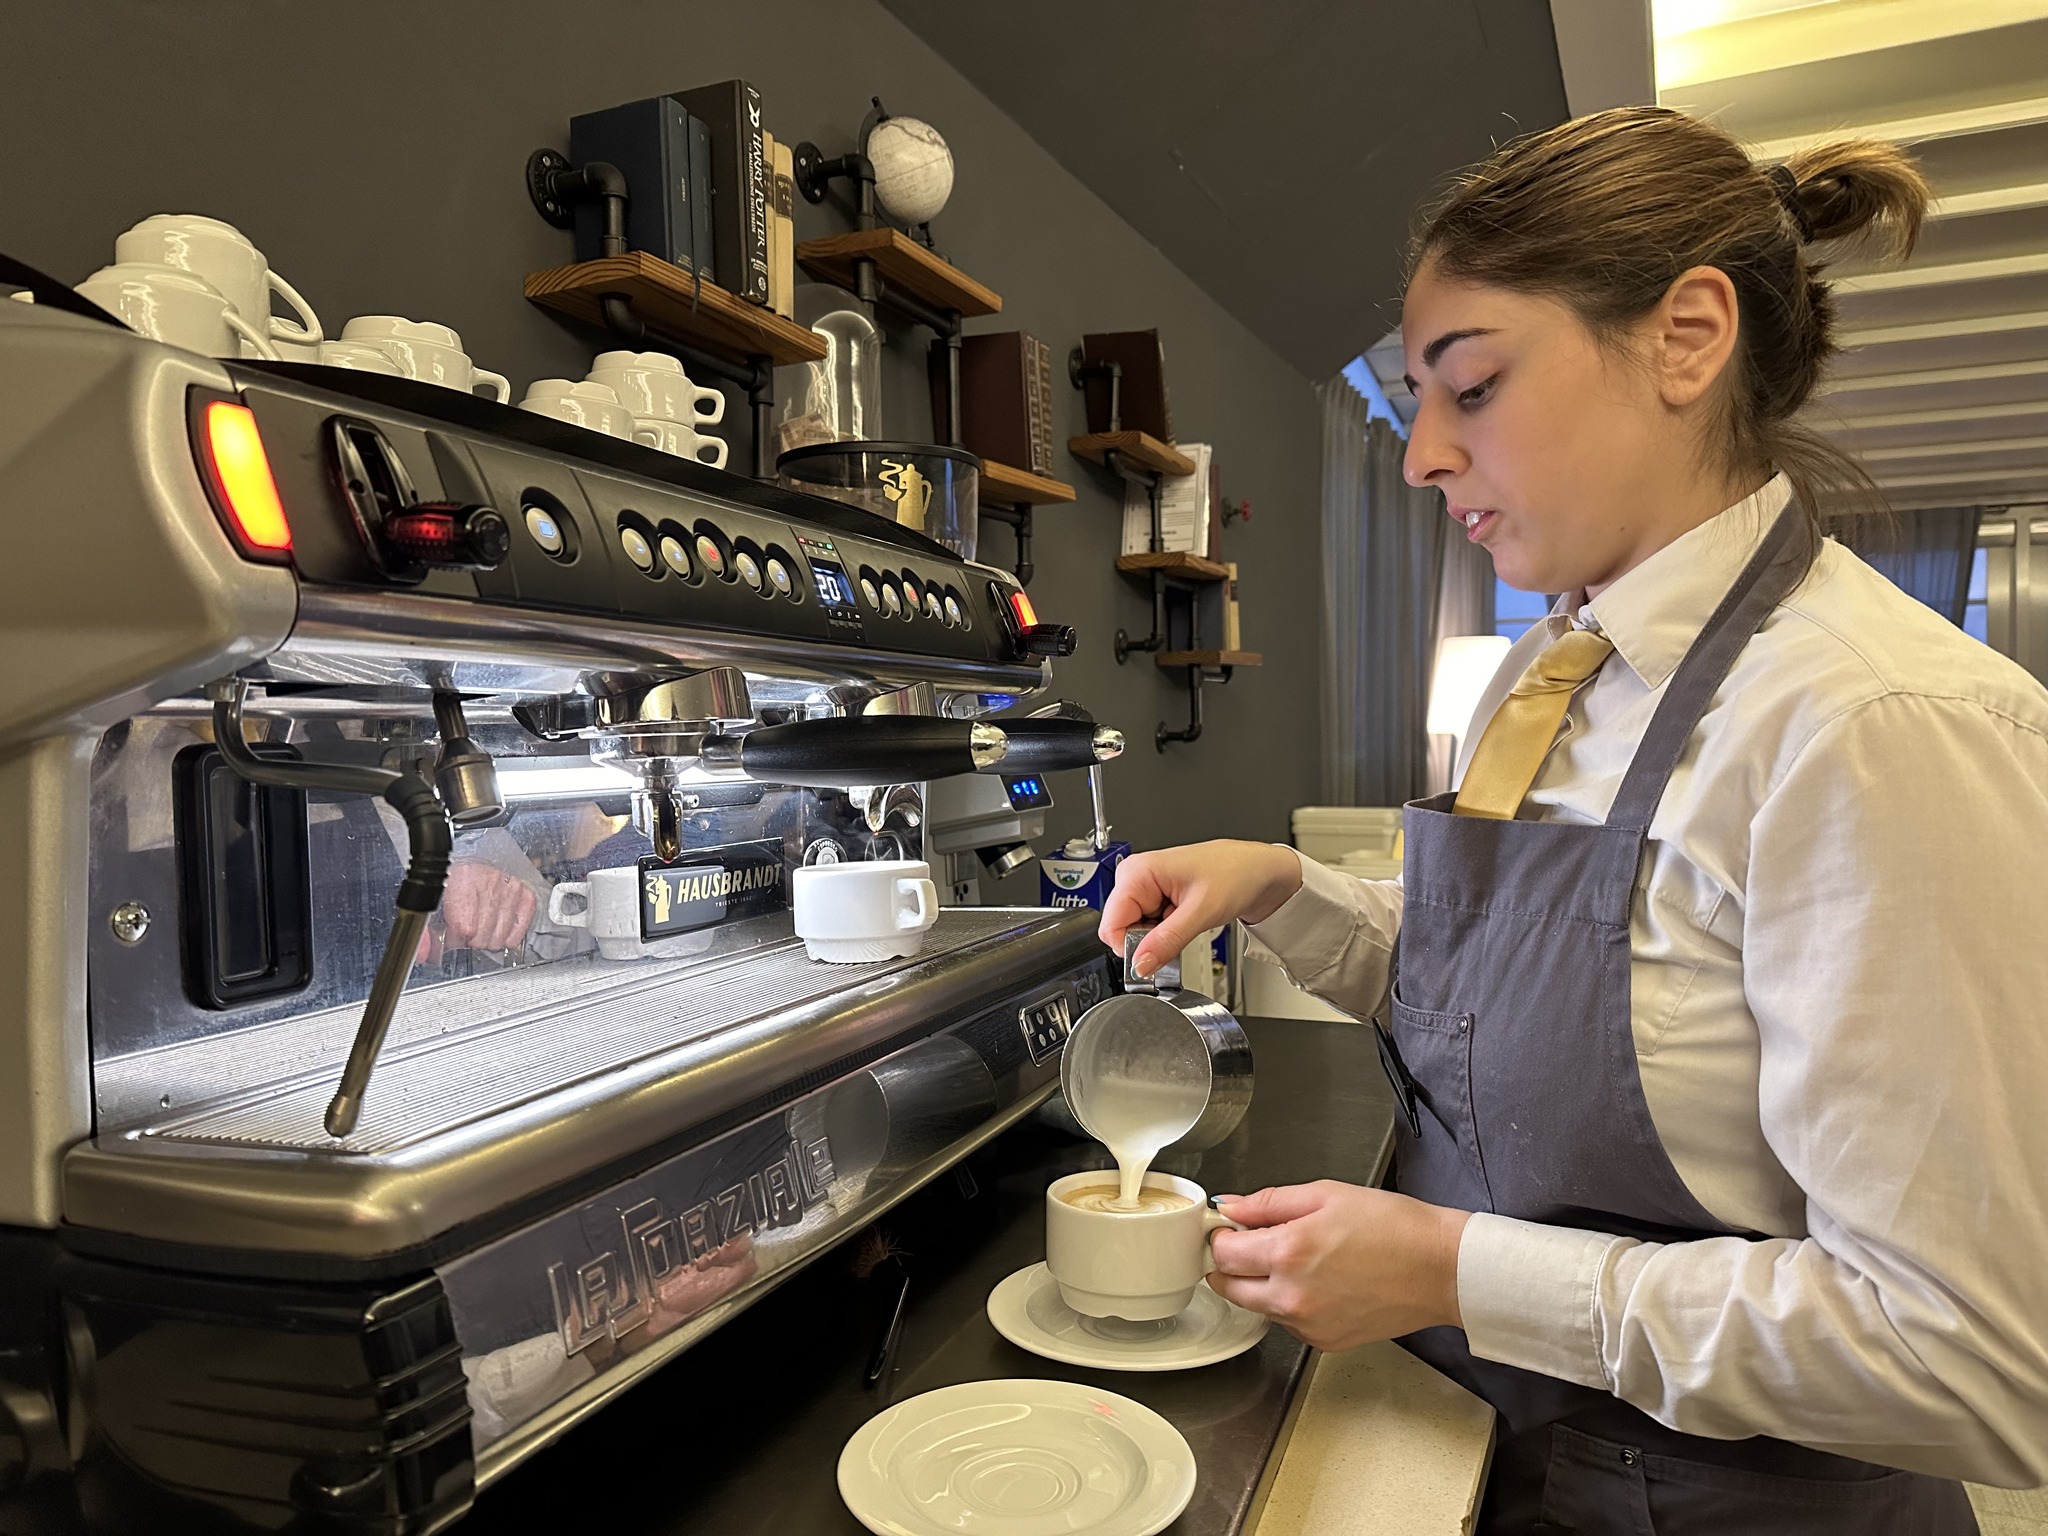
1048,745
845,752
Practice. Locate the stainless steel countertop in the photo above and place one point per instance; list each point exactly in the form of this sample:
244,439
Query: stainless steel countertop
742,1435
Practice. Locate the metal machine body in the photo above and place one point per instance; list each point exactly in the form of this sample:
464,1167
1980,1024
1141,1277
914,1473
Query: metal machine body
583,1132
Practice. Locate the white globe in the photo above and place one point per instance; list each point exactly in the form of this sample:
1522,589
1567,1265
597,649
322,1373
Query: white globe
913,168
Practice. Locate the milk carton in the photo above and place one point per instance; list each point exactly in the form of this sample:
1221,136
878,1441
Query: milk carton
1082,875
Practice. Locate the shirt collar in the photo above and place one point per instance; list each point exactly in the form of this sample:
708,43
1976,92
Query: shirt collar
1655,612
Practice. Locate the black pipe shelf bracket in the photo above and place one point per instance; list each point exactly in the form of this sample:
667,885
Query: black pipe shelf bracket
557,187
1018,516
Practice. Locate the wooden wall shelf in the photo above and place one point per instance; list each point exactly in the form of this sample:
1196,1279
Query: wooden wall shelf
1174,562
1139,450
1007,484
1209,659
671,301
904,264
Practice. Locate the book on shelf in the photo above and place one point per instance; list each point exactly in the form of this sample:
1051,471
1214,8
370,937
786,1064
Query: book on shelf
782,281
1005,398
1141,395
1233,621
774,223
665,155
1185,512
731,113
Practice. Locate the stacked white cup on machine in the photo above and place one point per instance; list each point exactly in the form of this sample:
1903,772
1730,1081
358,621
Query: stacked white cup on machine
201,284
669,411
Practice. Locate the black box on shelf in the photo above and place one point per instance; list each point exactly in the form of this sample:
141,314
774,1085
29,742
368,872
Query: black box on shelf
665,155
740,175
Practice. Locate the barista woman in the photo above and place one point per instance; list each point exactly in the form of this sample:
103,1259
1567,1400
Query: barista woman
1718,993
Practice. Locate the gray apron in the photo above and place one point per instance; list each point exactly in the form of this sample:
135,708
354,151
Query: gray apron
1513,1056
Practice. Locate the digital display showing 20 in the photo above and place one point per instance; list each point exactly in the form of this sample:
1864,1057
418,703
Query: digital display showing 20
834,590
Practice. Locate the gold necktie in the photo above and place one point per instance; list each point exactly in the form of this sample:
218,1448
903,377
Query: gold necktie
1524,728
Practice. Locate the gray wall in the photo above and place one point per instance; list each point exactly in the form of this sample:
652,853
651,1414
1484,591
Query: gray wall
374,149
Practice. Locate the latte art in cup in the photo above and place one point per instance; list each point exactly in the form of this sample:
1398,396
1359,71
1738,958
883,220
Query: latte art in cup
1105,1197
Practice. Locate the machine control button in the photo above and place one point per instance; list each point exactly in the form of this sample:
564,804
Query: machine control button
637,549
712,556
932,610
892,603
867,590
748,569
1045,1026
779,578
911,597
674,555
953,614
542,528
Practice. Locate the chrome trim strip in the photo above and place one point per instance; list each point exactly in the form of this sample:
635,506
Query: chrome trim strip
361,1208
563,1415
414,626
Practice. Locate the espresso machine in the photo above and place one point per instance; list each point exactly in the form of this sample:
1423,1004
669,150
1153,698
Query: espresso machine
404,1045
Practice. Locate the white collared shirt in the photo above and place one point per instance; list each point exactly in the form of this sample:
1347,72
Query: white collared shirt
1840,1008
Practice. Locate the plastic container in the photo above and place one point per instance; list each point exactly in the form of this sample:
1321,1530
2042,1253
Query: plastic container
1327,833
935,490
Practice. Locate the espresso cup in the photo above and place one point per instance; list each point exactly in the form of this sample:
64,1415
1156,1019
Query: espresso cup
425,351
1140,1265
583,404
359,355
607,903
674,437
877,910
654,384
174,306
224,256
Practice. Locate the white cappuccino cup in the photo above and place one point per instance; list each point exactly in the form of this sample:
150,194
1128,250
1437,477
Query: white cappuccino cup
674,437
1140,1265
654,384
224,256
878,910
608,904
177,307
425,351
358,355
582,403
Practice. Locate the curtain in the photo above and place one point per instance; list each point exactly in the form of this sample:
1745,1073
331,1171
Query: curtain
1928,555
1383,556
1464,606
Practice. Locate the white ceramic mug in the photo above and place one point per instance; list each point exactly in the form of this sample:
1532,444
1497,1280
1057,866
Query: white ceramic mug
426,351
224,256
608,904
877,910
359,355
654,384
1137,1265
171,305
674,437
583,404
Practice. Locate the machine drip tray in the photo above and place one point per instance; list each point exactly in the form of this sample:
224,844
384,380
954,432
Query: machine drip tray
493,1088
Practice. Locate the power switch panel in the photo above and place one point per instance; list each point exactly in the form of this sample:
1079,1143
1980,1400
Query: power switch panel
1045,1025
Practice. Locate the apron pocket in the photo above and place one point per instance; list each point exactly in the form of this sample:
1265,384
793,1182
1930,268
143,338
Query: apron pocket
1436,1049
1600,1487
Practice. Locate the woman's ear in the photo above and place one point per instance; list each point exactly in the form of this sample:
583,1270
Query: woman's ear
1693,334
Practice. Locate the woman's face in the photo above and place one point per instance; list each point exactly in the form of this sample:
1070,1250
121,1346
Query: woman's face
1556,453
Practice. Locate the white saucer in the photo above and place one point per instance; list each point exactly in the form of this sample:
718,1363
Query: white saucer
1027,1310
1017,1458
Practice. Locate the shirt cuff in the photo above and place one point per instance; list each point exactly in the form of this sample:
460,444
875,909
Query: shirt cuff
1308,933
1527,1294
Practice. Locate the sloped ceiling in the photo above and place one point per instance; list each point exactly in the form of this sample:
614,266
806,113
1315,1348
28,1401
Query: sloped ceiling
1943,384
1275,151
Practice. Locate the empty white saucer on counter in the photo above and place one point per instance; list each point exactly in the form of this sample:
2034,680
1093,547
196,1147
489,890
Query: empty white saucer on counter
1027,1310
1017,1458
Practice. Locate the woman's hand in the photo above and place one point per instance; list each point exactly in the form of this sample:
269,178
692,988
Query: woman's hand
1203,885
1338,1265
482,907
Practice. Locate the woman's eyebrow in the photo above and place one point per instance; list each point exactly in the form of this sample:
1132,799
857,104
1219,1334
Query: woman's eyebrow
1437,348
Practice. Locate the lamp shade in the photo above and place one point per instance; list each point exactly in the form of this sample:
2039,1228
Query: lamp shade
1465,664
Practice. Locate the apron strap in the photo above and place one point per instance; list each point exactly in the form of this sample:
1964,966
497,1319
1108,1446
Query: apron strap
1779,565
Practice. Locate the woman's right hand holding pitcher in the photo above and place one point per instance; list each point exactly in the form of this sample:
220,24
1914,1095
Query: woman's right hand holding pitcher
1188,889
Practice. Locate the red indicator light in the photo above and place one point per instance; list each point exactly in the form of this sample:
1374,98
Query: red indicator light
1027,616
241,469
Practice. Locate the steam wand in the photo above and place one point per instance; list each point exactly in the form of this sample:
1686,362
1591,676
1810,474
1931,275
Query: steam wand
431,842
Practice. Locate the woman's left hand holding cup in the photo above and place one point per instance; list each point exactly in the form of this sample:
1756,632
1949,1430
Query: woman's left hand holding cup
1339,1265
